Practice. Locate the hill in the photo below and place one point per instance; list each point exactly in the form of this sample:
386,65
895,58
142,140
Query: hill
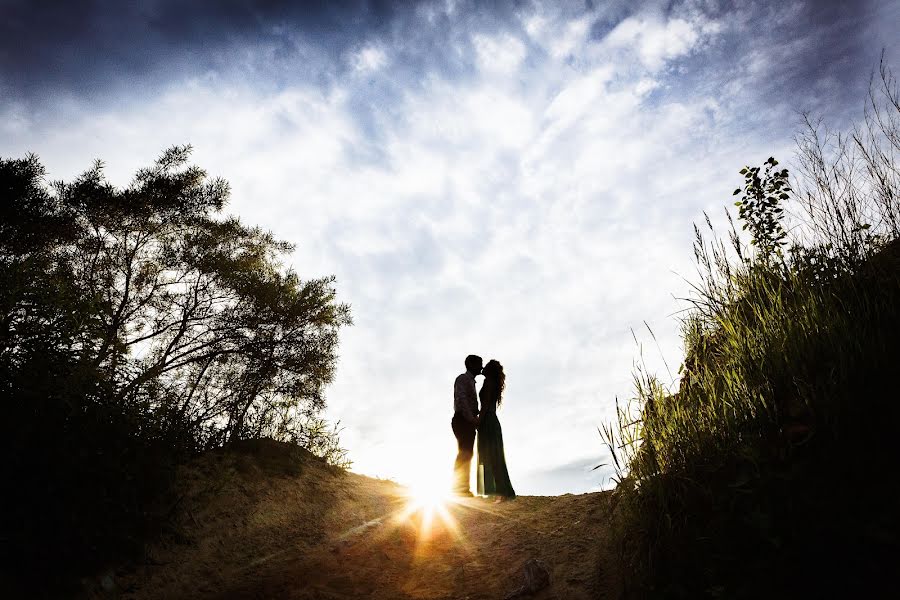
264,519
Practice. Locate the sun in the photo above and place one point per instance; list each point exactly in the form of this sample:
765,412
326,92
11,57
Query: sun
429,494
428,504
426,488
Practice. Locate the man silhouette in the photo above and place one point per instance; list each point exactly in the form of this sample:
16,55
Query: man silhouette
464,423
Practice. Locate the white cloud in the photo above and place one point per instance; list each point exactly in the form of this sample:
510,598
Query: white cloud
500,54
534,210
369,59
656,40
570,38
534,25
645,86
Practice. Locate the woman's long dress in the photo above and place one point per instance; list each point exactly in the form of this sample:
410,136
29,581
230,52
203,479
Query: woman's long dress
493,477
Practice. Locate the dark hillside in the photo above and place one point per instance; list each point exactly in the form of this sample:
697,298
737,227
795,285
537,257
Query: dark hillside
264,519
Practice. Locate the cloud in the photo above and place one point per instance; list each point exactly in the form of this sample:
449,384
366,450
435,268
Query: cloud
498,55
369,59
658,41
518,181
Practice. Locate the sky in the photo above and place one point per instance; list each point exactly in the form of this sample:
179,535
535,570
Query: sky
516,180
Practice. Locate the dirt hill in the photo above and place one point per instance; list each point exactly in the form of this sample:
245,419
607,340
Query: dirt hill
269,520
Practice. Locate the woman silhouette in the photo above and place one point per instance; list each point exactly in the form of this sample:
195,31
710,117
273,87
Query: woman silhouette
493,477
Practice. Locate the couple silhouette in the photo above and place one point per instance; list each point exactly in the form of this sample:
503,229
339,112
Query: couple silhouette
469,421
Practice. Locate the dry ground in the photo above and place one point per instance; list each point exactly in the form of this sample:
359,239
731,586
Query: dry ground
270,521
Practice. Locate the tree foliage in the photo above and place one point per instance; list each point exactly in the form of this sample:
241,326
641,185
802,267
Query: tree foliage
140,325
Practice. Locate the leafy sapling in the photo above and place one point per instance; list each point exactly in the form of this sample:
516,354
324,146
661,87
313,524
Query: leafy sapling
759,208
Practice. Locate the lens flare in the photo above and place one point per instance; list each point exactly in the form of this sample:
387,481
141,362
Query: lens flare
428,496
427,504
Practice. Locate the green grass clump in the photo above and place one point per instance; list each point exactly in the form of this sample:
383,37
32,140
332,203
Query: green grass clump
771,470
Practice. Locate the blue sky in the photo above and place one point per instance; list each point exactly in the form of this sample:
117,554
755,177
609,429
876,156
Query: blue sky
517,181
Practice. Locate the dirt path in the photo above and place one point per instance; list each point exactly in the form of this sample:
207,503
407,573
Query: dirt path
322,535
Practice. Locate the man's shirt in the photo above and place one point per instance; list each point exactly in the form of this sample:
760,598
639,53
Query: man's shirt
465,401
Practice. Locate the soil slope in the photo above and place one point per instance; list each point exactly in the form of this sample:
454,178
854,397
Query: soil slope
268,520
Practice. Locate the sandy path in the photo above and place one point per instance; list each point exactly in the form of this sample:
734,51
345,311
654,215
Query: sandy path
326,536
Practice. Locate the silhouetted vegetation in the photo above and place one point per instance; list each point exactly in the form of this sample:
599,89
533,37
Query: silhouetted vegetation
770,471
138,327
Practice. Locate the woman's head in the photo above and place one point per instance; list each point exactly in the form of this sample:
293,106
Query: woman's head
494,371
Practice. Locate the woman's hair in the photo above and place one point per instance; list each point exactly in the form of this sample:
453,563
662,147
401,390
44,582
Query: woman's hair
494,371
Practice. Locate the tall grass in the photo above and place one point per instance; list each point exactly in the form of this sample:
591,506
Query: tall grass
770,470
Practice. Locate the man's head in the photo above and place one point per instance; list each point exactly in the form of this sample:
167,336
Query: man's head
473,364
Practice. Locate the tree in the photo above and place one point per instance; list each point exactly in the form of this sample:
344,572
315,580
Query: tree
139,325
